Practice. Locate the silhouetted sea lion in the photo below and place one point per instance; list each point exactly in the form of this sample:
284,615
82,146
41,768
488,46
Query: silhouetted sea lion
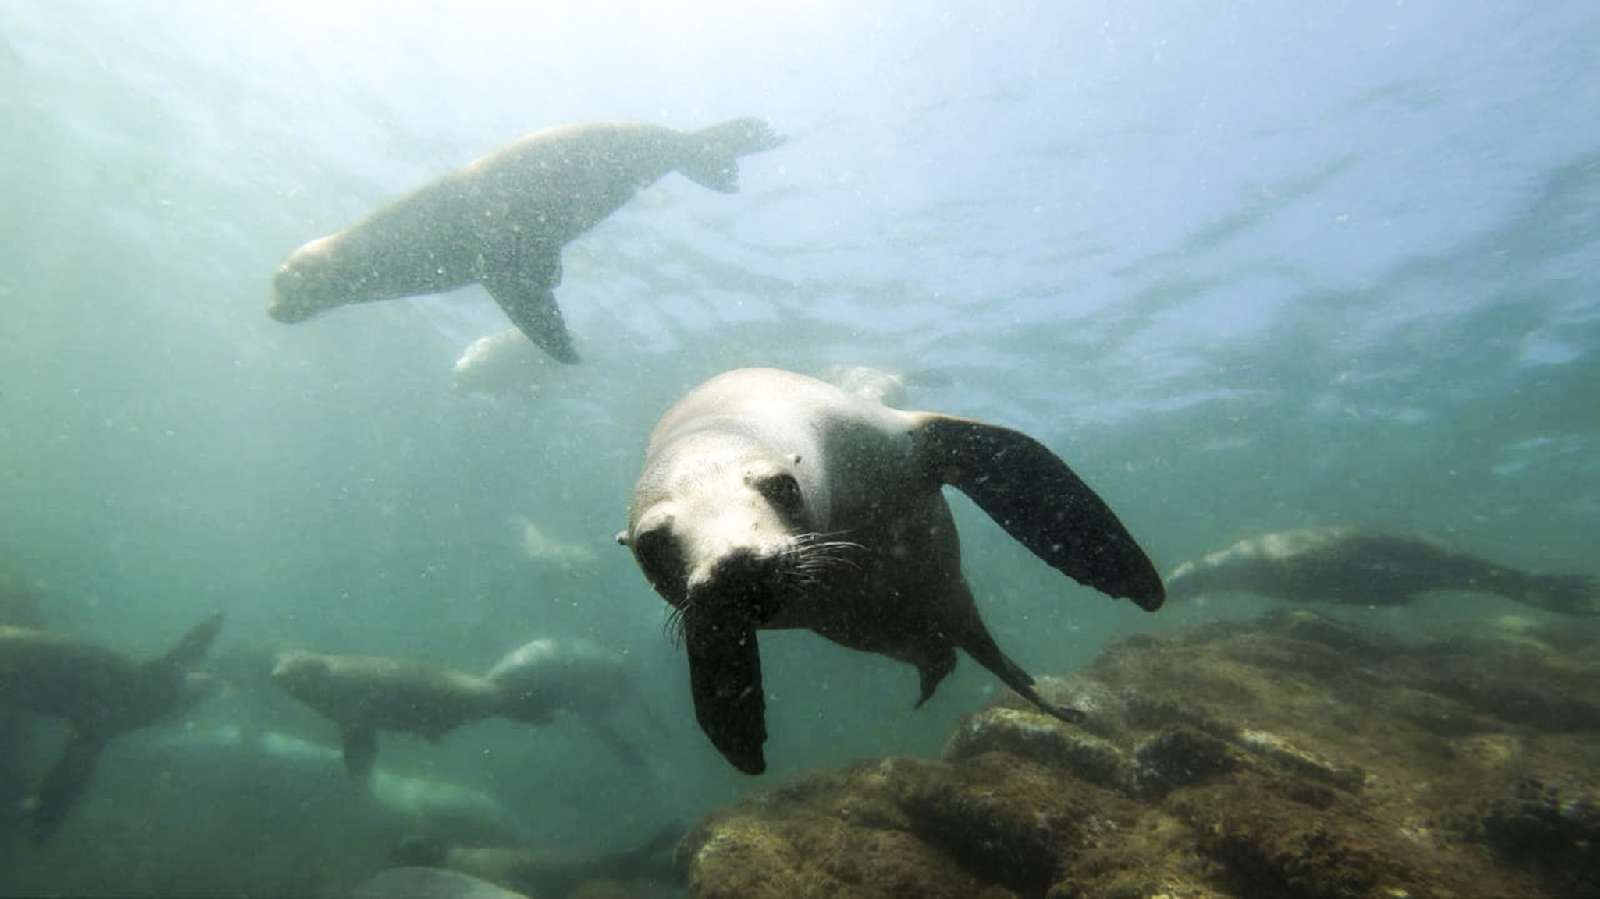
540,872
100,693
773,500
1357,567
503,220
367,694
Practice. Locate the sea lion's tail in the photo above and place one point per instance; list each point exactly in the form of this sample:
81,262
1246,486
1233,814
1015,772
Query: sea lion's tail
713,153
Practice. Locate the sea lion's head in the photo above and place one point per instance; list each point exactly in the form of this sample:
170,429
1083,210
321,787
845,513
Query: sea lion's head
303,675
720,527
1187,580
307,283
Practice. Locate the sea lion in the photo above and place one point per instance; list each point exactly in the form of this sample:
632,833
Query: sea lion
1358,567
502,221
428,883
101,694
772,500
367,694
542,872
505,363
242,762
574,676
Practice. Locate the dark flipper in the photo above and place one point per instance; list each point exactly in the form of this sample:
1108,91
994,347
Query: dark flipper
360,750
933,671
1031,493
191,646
526,290
981,646
65,783
729,703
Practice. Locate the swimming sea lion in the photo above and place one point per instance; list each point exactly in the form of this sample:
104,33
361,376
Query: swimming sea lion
239,763
773,500
101,694
1357,567
505,363
428,883
575,676
366,694
503,220
542,872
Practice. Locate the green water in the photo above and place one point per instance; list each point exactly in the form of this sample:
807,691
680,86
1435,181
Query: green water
1245,267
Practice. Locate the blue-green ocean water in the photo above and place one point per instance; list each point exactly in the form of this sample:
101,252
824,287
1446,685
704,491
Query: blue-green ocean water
1246,266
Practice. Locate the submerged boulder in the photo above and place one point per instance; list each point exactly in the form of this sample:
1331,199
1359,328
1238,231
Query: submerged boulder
1294,755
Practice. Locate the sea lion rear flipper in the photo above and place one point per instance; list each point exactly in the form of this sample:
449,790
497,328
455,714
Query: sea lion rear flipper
360,750
1036,498
981,646
191,646
712,159
527,293
65,784
729,701
932,671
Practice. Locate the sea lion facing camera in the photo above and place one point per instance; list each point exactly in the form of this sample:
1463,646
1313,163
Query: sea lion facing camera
1359,567
773,500
502,221
101,694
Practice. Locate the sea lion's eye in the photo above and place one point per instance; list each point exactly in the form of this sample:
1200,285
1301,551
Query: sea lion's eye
782,490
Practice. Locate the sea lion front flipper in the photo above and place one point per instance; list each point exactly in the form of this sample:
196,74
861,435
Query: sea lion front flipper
360,750
64,784
1036,498
526,290
712,156
729,701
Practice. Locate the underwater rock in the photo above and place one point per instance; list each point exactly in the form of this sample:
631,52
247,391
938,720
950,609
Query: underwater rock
1180,756
1293,755
1030,735
1551,829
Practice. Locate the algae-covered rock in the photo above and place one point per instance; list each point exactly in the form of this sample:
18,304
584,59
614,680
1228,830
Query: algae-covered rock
1295,755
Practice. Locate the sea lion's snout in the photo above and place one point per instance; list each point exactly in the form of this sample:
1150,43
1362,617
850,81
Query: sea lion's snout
288,296
745,577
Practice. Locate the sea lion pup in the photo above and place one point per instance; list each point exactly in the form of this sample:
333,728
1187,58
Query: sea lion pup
1358,567
502,221
772,500
539,872
101,694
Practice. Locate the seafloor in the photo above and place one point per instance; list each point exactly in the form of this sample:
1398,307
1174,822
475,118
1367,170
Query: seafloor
1291,756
